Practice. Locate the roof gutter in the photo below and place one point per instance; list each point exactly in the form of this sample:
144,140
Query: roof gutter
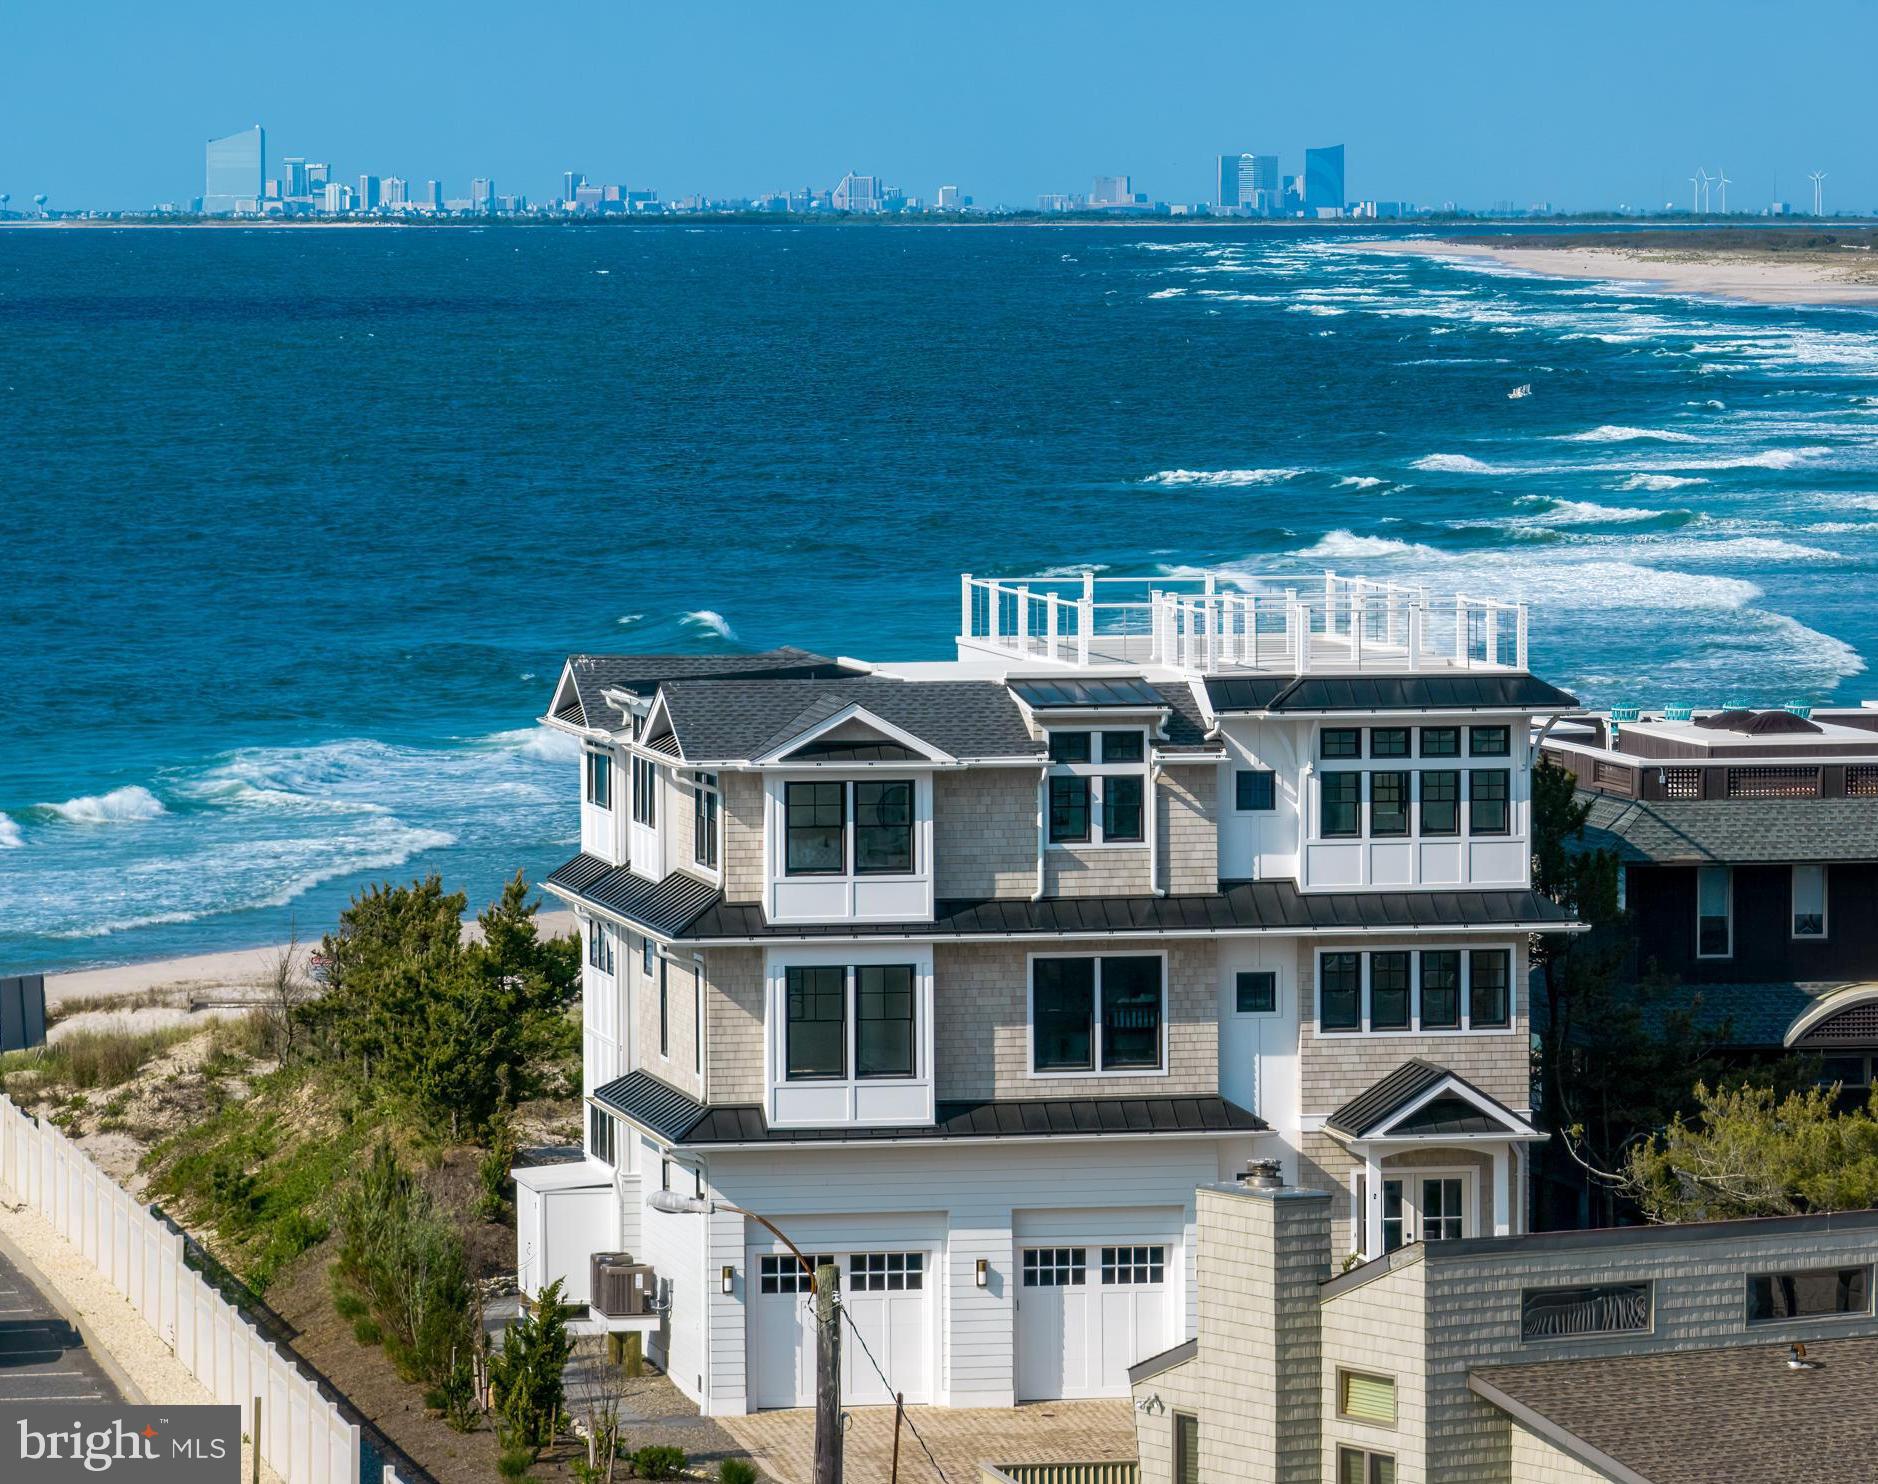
1049,935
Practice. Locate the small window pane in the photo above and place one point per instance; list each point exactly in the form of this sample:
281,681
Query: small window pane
1131,1013
1810,1293
1486,798
599,780
1056,1267
1366,1398
1069,810
1121,808
1441,803
1388,803
883,827
1490,977
1441,741
1809,901
1122,747
1186,1448
1063,1014
1133,1265
1341,796
1255,992
883,1020
1389,742
1069,747
1343,742
705,802
1713,939
814,826
1489,741
1254,790
1340,991
1441,989
1388,991
815,1039
1590,1309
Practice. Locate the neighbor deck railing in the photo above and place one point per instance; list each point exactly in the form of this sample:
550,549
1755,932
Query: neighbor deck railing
1103,1471
1283,625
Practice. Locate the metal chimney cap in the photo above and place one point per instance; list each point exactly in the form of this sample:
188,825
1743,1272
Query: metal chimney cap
1263,1174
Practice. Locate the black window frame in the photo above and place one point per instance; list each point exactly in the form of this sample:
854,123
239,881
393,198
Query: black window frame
1452,780
1395,960
1072,746
706,807
1607,1309
828,983
1761,1291
1397,744
904,830
1504,989
1067,809
1395,823
602,1135
1093,1016
1346,737
1263,984
1134,738
1111,809
600,779
665,1007
1477,778
1477,736
862,1020
1354,990
1447,742
1447,964
1350,782
1186,1448
1264,782
791,829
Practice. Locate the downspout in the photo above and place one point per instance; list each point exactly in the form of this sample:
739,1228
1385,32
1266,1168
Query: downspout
1043,820
1155,772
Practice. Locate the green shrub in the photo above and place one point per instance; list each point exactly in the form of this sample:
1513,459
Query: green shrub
525,1375
736,1471
659,1461
514,1463
455,1396
492,1175
367,1332
346,1303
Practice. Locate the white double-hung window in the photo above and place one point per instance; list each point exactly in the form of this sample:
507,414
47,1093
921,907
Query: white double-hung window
1809,901
1098,787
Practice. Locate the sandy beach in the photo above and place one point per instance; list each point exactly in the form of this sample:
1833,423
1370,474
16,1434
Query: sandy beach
1726,275
206,976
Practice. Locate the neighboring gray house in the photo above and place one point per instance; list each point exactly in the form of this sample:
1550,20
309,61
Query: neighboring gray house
967,973
1642,1355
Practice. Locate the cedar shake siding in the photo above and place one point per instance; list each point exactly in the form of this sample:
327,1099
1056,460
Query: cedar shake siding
1187,822
985,833
734,1025
743,836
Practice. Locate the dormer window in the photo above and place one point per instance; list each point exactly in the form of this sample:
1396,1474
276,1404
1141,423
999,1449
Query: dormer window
1098,787
817,837
599,780
645,792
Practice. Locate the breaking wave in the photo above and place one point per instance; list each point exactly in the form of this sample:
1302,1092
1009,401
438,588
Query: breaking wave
713,621
129,805
1659,483
1454,463
1614,433
1220,478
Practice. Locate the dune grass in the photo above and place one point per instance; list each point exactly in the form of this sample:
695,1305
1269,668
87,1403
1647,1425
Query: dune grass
88,1059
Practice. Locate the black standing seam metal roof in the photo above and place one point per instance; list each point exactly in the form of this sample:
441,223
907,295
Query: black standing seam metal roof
1243,906
1376,1105
1436,691
667,907
682,1119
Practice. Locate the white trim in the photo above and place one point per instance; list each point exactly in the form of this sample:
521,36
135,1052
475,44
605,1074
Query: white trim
1825,899
1454,1085
1095,1068
1728,876
855,712
1845,997
851,1087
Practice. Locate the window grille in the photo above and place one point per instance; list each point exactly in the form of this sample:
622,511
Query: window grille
1773,783
886,1272
1682,783
1055,1267
1133,1264
1861,781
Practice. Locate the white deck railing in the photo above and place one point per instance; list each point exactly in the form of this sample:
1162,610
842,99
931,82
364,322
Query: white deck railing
1278,625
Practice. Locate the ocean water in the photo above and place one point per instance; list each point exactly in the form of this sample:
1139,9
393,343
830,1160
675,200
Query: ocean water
296,526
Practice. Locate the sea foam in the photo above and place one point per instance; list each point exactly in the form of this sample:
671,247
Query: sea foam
1220,478
129,805
1454,463
1614,433
711,619
10,837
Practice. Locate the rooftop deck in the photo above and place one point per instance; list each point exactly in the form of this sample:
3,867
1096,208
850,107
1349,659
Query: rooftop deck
1265,625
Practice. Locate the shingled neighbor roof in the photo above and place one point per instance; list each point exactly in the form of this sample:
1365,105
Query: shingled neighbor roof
642,674
720,721
680,1119
667,907
1715,1416
1436,691
1446,1116
1739,1016
1244,906
1736,831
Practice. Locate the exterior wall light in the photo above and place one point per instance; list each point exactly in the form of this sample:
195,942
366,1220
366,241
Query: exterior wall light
730,1278
983,1272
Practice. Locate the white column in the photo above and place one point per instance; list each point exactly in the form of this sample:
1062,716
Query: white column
1372,1197
1503,1167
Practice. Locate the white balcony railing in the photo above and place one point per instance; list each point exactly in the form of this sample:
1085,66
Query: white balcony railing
1276,625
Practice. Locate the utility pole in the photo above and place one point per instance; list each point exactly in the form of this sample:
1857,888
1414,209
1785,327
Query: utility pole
827,1375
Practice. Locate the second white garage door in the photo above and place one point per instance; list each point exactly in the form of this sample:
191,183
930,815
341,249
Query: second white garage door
888,1298
1086,1311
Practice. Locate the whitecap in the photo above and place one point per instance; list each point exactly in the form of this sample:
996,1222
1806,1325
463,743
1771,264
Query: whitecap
1167,293
1616,433
1313,309
1343,544
549,744
1554,512
631,618
1358,482
1454,463
10,837
1657,483
128,805
708,618
1220,478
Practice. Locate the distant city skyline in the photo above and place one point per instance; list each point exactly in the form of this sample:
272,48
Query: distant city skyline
1464,102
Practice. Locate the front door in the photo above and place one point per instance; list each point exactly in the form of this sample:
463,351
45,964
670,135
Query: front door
1425,1208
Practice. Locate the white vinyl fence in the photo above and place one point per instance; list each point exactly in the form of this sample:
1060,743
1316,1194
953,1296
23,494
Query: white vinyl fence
304,1438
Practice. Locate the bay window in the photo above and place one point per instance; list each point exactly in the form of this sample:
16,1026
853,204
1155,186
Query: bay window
883,1020
821,1002
815,819
1103,1013
883,828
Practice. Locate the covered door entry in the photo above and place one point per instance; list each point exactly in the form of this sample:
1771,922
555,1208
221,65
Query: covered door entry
1085,1313
1426,1208
887,1299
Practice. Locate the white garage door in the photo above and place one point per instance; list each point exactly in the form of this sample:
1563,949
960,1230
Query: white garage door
887,1296
1085,1313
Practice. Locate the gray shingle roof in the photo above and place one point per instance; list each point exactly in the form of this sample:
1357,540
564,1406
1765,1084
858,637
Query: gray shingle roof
684,1120
642,674
1717,1416
1430,692
721,720
1737,831
1754,1015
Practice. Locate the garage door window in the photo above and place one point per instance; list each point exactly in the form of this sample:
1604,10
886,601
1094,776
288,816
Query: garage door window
886,1272
1133,1264
781,1272
1055,1267
1090,1013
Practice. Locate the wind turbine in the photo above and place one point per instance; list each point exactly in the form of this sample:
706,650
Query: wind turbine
1695,193
1819,197
1723,178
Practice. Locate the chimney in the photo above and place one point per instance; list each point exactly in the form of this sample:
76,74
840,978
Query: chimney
1263,1174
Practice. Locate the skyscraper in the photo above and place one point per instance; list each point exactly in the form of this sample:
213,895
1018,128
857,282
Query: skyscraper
433,195
1323,180
1247,180
571,181
1226,195
368,197
338,198
857,193
1111,190
397,191
482,195
293,180
950,198
317,174
236,164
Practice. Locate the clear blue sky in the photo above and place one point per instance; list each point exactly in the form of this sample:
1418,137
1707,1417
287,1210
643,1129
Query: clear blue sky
1584,104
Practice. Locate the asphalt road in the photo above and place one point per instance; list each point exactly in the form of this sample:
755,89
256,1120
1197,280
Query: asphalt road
42,1358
